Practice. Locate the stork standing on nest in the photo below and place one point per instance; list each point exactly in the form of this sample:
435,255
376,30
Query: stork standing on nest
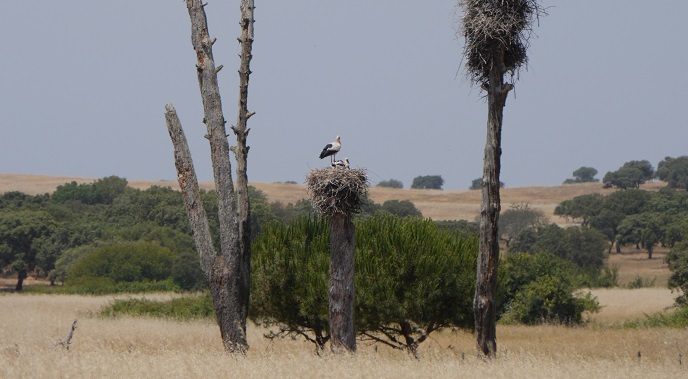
331,150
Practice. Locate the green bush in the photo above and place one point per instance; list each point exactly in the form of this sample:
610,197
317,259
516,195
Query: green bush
392,183
540,288
401,208
586,247
677,259
101,286
190,307
427,182
125,262
678,319
408,271
640,282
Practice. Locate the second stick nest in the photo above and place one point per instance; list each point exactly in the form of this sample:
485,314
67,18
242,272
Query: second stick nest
337,190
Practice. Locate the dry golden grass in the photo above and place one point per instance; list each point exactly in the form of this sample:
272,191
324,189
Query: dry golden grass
139,347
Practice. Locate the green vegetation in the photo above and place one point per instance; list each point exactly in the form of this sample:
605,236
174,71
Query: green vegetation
631,175
677,319
392,183
583,175
185,308
427,182
412,278
518,218
537,288
674,171
401,208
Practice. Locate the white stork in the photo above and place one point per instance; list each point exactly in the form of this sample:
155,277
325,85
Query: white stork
341,163
331,150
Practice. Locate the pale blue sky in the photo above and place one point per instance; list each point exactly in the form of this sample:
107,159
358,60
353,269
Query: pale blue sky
83,87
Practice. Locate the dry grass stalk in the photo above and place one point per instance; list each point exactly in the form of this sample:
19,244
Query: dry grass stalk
337,190
489,24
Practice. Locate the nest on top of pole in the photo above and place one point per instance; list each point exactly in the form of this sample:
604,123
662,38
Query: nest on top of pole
490,25
337,190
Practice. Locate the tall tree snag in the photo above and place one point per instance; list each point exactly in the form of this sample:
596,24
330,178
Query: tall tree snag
337,193
241,149
227,271
341,290
496,34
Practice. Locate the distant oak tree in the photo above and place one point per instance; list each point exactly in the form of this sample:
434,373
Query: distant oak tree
427,182
392,183
674,171
583,175
631,175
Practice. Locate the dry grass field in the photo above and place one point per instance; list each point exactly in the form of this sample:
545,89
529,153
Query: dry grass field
153,348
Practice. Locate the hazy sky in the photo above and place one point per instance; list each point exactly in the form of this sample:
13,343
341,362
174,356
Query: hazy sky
83,85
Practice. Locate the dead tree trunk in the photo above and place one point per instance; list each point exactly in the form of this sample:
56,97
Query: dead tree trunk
484,306
221,270
337,193
241,149
342,290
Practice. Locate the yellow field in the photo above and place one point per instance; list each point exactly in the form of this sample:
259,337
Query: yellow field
151,348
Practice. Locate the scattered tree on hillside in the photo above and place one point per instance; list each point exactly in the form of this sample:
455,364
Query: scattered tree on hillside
401,208
517,218
496,35
24,235
585,247
428,182
583,207
631,175
392,183
643,230
674,171
227,273
583,175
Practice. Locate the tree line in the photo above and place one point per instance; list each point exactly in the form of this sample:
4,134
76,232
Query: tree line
43,235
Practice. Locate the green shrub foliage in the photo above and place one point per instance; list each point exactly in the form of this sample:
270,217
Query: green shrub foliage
540,288
124,262
411,278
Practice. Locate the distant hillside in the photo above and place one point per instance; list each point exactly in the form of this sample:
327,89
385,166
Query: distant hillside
439,205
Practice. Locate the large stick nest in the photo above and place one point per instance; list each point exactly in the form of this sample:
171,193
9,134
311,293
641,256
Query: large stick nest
337,190
491,27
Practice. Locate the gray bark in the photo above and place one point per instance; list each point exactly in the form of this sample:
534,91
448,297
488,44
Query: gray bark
241,149
484,306
222,275
342,290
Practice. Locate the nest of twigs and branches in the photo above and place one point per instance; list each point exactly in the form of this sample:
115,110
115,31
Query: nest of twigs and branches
489,26
337,190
